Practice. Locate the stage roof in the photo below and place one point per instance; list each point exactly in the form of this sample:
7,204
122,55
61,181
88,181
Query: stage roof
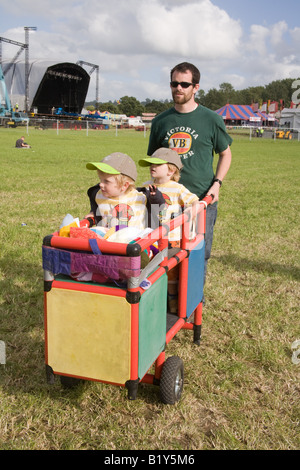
51,84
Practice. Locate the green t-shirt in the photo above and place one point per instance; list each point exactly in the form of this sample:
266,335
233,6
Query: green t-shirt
195,136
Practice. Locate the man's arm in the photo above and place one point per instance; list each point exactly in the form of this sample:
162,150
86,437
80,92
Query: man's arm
223,166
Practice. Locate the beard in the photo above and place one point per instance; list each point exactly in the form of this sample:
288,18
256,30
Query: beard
182,98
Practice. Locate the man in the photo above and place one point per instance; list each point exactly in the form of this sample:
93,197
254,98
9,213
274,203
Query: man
21,144
196,133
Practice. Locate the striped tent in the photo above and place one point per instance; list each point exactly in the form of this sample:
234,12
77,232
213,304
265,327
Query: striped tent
238,112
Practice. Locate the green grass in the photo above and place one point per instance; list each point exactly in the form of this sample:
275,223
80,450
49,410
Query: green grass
241,388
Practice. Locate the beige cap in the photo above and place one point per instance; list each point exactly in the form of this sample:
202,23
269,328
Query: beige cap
162,155
116,163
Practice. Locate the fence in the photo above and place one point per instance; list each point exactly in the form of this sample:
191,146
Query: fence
265,132
60,125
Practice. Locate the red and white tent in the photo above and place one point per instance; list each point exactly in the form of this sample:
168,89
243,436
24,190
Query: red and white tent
239,113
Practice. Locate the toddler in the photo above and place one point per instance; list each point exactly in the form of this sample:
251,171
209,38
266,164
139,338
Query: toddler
165,165
115,200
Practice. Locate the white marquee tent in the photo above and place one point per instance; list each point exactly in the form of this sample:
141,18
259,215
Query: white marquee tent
290,117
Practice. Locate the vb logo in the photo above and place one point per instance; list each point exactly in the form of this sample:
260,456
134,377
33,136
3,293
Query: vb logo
181,142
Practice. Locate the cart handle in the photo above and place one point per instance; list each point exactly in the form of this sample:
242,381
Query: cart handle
208,199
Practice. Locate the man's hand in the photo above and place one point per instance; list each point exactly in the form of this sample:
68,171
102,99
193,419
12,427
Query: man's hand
214,191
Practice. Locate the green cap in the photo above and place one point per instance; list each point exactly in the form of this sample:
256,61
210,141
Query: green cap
115,164
162,155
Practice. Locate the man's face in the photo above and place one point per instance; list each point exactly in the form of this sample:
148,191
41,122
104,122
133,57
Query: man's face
183,95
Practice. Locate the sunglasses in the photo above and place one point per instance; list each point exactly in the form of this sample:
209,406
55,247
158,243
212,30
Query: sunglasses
182,84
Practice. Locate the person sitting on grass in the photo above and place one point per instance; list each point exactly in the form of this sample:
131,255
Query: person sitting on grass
21,144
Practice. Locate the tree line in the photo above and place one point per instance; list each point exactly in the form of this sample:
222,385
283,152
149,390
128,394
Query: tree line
278,90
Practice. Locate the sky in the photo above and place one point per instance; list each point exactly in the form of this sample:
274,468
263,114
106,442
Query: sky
136,43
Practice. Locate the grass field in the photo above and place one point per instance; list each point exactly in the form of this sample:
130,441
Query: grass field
241,387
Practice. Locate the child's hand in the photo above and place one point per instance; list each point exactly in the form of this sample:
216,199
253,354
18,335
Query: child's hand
152,189
154,195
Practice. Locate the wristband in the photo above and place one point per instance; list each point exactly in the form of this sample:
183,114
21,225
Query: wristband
216,180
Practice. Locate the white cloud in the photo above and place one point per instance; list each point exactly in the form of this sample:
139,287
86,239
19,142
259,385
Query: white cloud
277,31
295,34
197,29
258,38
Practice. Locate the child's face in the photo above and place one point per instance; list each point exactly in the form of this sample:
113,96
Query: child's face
161,173
109,186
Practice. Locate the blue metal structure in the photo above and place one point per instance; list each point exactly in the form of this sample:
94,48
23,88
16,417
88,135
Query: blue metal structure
8,116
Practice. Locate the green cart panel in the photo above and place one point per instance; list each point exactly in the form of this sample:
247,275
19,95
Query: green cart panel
152,324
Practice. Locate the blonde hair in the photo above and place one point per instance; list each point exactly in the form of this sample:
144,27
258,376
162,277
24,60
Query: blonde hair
120,180
176,174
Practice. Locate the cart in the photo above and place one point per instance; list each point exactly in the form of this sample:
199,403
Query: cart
116,334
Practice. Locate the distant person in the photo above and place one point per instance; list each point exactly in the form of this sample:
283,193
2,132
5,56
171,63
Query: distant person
21,144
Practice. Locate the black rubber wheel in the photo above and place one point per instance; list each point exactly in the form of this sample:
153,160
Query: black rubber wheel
171,381
69,382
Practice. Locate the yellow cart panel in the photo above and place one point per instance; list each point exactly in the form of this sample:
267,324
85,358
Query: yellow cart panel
89,335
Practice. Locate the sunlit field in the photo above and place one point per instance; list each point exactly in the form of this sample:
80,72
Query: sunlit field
241,388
